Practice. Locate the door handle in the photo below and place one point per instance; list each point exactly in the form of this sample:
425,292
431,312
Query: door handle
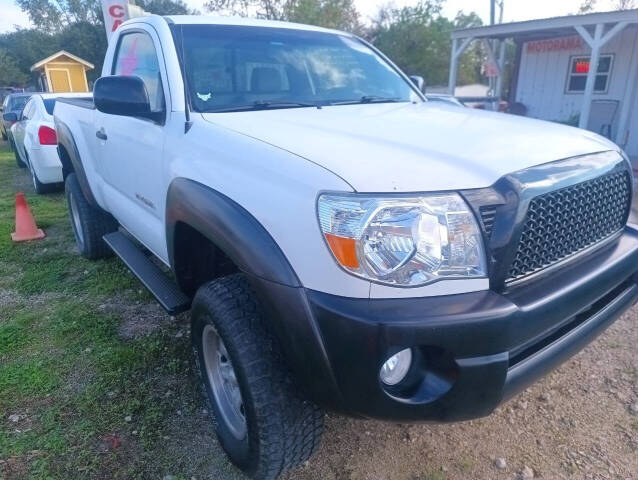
101,134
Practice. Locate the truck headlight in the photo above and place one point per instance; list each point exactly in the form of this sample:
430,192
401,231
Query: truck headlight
403,241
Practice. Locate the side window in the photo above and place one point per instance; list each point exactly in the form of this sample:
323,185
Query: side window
136,56
27,113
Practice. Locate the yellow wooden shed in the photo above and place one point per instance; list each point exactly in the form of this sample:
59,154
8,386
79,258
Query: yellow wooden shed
63,72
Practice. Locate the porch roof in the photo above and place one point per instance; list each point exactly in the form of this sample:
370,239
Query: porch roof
547,27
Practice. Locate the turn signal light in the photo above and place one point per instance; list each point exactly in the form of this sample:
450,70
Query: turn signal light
47,136
344,250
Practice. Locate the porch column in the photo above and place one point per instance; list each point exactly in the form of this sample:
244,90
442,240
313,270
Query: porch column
457,51
591,76
499,80
628,101
453,67
596,43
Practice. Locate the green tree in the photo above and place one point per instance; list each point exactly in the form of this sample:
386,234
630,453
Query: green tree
166,7
10,73
54,15
268,9
417,38
76,26
28,46
340,14
587,6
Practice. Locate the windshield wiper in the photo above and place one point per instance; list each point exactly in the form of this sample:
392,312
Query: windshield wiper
370,99
264,105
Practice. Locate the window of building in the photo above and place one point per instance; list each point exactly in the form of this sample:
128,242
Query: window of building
579,68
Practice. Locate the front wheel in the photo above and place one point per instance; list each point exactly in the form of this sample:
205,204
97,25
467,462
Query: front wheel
19,161
263,422
89,223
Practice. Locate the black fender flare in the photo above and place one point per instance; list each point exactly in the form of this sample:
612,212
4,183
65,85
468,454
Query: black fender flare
246,242
230,227
66,140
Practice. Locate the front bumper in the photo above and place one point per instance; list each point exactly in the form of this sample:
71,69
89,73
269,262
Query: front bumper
476,349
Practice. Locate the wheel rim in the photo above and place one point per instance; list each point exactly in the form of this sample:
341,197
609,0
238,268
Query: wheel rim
33,178
75,215
223,382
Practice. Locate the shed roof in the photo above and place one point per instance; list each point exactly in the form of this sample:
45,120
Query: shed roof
547,26
61,53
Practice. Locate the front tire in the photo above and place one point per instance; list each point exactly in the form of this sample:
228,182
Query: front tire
19,161
89,223
262,421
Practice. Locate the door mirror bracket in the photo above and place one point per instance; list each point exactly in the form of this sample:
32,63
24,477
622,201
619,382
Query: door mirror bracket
419,82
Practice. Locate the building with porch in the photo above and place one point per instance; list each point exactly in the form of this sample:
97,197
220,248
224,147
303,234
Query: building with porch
581,70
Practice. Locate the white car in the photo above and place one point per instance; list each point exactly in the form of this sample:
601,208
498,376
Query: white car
36,143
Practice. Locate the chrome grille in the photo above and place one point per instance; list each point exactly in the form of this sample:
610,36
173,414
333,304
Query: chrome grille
569,220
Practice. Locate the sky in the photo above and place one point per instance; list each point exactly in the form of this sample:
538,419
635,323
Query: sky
515,10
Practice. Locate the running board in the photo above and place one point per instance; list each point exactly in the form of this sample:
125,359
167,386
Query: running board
163,288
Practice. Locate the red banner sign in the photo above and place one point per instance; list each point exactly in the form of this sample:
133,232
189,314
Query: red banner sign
555,44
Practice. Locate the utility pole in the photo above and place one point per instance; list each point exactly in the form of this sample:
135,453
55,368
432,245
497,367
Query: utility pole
496,84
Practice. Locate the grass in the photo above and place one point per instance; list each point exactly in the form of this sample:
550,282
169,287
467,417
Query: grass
69,375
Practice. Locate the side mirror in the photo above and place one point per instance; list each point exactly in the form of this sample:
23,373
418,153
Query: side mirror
419,82
125,96
11,117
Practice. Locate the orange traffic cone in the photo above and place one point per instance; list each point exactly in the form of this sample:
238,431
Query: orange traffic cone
26,228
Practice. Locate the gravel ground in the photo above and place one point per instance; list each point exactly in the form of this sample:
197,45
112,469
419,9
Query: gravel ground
580,422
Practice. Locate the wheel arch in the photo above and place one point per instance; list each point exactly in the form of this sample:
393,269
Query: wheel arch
71,160
228,226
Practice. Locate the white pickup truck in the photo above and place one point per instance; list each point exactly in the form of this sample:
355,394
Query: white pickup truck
342,242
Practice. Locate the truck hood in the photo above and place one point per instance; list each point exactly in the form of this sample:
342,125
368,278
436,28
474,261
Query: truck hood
413,147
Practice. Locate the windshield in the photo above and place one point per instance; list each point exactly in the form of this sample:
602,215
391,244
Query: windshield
17,103
238,68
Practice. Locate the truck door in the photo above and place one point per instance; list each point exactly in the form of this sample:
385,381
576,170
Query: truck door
131,149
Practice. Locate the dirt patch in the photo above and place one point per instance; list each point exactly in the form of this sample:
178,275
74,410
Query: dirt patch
23,183
577,423
8,298
138,318
17,467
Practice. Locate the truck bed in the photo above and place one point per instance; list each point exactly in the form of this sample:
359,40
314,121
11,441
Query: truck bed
82,102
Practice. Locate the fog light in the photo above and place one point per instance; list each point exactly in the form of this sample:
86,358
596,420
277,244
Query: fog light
396,367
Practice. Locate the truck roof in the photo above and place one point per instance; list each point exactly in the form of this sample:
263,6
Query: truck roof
249,22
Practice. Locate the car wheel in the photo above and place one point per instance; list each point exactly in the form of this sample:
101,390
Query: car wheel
40,188
263,422
19,161
89,223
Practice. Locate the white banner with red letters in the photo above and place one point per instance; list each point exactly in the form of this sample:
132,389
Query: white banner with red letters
115,13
